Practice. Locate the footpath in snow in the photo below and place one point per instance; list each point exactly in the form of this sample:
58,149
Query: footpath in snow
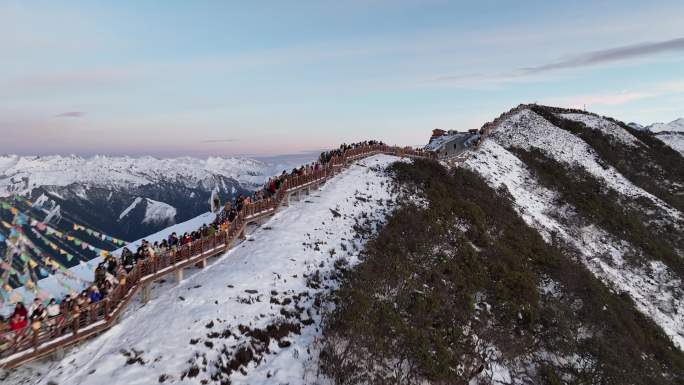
190,332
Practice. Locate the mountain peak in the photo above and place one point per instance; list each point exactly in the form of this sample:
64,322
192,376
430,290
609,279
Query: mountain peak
675,125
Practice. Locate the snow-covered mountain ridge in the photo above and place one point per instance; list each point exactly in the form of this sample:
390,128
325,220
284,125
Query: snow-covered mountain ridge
671,133
675,125
552,255
674,139
21,174
605,248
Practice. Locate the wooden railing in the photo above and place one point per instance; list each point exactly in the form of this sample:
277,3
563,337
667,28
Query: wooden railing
70,327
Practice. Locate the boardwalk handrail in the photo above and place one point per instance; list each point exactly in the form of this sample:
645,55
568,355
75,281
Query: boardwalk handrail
70,327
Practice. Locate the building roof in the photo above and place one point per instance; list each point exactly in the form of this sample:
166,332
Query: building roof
437,142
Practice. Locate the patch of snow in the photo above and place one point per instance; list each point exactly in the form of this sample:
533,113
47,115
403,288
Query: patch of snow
7,162
54,213
605,126
81,192
159,212
128,209
673,139
656,291
40,201
56,195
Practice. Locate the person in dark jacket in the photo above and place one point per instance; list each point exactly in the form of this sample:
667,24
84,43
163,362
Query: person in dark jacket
128,260
112,265
99,274
37,316
173,240
95,295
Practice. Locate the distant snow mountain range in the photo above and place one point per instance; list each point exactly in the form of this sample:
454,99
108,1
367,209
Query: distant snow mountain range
671,133
22,174
675,125
131,197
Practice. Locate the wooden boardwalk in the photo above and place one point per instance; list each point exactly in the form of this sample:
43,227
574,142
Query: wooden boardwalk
68,329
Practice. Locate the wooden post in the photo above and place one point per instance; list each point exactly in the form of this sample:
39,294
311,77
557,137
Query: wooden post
146,292
106,309
179,276
59,353
74,322
35,336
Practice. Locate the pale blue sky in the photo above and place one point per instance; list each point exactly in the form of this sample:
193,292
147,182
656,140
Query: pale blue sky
223,78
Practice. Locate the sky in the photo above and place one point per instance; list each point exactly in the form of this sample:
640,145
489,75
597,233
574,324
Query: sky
223,78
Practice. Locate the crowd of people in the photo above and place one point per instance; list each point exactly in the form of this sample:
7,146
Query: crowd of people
327,156
113,270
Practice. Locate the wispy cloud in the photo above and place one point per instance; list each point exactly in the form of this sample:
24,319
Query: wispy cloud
619,98
544,71
611,55
70,114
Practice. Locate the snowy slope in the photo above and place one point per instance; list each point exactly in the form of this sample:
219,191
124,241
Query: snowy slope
239,289
128,209
656,291
673,139
155,211
528,130
19,175
605,126
159,212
